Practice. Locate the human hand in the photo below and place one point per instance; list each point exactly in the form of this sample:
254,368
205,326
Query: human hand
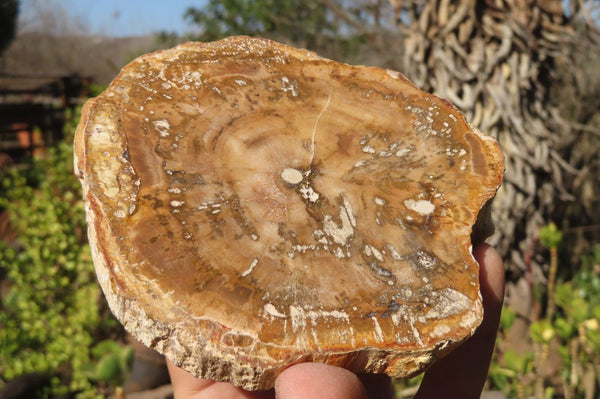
461,374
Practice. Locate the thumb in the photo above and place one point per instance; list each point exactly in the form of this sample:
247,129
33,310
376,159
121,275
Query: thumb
318,381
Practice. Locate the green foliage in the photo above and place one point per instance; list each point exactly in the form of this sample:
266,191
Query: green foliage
541,331
298,20
577,328
505,375
304,23
407,387
95,89
507,318
550,236
50,317
573,329
110,363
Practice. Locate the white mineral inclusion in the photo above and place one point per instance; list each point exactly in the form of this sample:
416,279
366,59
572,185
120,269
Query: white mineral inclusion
309,194
420,206
291,176
272,310
162,126
393,74
251,268
340,234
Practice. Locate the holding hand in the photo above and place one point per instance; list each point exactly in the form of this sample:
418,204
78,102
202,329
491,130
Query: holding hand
461,374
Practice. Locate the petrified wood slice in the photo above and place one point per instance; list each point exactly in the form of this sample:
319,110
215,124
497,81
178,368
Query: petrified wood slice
251,206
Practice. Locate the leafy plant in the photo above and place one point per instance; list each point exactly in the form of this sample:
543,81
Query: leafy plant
305,23
51,316
512,373
578,331
111,363
571,324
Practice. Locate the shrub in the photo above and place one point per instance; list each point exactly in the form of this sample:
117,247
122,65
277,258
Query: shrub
51,315
570,327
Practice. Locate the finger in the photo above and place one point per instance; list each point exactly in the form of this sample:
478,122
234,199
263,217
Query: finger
463,372
318,381
186,386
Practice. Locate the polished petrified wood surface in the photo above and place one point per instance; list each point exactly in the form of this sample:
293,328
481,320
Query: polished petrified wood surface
251,206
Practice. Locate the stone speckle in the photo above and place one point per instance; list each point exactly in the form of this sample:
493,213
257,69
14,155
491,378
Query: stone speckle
292,176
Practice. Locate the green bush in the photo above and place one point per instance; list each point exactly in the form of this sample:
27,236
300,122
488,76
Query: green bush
51,316
571,327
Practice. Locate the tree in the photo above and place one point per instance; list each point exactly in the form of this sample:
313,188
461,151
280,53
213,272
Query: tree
9,10
304,23
503,63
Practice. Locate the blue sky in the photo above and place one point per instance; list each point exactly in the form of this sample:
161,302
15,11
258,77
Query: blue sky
116,17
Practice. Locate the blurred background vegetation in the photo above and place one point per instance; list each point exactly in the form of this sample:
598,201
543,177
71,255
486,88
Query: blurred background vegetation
523,71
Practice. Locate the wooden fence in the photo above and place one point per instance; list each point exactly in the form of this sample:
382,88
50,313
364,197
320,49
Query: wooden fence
32,110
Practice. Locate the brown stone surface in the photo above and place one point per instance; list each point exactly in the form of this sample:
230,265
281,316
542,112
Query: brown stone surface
251,206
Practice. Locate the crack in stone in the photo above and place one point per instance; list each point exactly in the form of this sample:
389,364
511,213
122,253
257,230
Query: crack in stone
314,132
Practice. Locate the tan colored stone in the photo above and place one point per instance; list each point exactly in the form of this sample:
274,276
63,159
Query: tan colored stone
252,206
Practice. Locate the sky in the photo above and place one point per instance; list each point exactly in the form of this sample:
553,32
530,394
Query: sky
117,18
